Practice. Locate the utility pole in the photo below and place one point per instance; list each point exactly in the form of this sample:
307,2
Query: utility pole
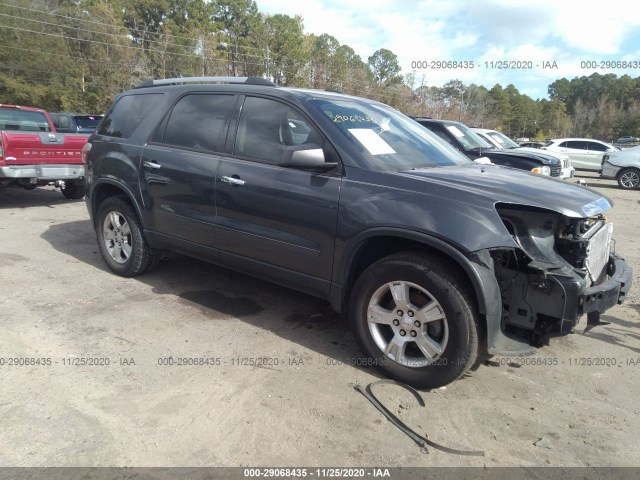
267,63
204,57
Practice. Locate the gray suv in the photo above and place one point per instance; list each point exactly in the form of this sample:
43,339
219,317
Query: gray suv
435,260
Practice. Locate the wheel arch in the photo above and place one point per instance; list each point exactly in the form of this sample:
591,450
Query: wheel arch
106,188
375,244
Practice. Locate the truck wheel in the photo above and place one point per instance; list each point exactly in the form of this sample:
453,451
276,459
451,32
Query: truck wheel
73,189
629,178
120,238
414,319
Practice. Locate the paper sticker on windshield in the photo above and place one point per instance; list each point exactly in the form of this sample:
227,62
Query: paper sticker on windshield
455,130
371,141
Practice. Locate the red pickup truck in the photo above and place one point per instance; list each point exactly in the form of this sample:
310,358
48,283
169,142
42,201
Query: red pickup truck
32,153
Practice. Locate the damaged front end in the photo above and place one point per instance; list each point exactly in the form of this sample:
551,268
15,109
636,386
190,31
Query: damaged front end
562,268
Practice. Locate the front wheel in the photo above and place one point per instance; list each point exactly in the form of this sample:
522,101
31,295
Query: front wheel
629,179
413,316
120,239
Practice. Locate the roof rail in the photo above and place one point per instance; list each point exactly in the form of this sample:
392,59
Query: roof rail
179,80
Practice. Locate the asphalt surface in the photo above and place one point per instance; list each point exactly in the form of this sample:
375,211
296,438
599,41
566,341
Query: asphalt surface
195,365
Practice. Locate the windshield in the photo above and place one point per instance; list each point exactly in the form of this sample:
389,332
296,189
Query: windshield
23,120
87,121
385,138
469,139
503,140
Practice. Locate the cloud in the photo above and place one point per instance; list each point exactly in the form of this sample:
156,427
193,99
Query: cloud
566,32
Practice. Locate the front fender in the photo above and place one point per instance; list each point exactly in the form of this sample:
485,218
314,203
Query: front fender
354,246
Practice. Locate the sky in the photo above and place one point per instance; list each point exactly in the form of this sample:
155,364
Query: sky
536,33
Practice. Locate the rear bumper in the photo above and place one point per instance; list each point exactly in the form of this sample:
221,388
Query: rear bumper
600,298
43,172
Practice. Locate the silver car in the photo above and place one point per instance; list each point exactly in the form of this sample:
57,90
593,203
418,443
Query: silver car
624,166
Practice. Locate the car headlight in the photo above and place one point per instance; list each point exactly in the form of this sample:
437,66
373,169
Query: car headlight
542,170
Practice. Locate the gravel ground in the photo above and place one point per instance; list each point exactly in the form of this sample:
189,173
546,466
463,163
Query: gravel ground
298,406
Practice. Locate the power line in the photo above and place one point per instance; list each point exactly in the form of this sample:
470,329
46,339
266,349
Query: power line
66,37
229,44
330,72
126,37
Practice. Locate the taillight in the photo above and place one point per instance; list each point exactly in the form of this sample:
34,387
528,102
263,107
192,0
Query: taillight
85,152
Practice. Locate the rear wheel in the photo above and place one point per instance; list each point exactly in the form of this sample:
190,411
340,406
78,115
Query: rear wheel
629,178
73,189
413,316
120,238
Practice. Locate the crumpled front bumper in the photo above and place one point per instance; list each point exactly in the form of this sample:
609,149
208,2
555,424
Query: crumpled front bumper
600,298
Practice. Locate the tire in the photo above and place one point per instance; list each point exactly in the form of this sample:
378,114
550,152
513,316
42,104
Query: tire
447,329
629,178
120,239
73,189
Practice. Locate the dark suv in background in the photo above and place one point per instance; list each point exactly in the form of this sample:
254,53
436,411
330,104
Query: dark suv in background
435,259
74,122
474,146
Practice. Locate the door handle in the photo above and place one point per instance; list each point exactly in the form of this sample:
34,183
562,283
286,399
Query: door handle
151,164
233,181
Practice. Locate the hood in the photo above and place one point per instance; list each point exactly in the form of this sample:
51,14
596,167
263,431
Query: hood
558,155
517,153
626,157
506,185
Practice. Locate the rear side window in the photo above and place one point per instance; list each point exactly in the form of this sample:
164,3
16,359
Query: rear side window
197,120
127,114
61,121
597,147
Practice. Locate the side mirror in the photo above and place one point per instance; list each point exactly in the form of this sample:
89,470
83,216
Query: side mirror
309,156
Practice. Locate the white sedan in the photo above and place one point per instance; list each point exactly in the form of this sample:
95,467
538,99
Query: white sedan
623,166
585,153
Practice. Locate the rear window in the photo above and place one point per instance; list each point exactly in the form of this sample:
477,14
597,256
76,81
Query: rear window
597,147
23,120
127,113
87,121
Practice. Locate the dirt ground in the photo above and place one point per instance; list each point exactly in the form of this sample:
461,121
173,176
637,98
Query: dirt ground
109,390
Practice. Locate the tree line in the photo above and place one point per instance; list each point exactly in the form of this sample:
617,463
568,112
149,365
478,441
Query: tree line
75,55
